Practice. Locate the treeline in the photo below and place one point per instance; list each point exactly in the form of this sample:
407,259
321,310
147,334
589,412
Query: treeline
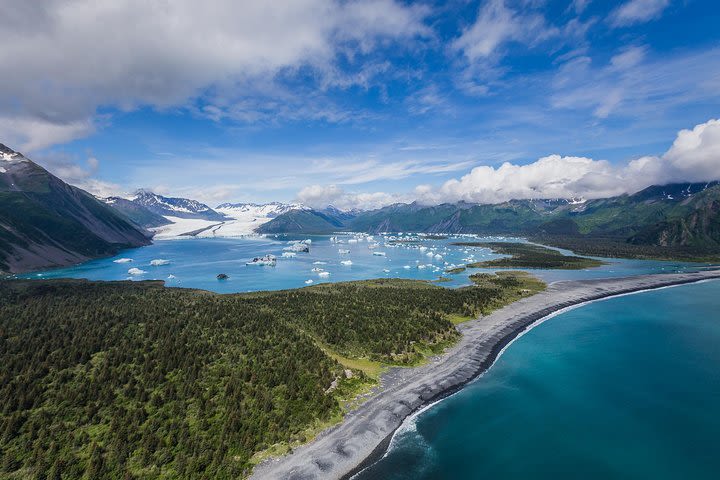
133,380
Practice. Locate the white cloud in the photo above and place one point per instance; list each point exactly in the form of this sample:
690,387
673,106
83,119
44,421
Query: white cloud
70,58
579,5
497,24
320,196
637,11
693,157
695,154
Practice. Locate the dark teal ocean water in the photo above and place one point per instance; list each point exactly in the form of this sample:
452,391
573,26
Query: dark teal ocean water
626,388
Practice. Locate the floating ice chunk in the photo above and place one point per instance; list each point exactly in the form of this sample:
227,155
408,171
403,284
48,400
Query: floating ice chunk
317,270
308,282
421,267
297,247
438,257
430,254
386,270
123,260
346,262
353,240
343,252
136,271
407,267
379,254
170,277
289,254
319,263
324,274
158,262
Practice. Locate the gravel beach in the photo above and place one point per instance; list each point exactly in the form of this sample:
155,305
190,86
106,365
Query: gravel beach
365,433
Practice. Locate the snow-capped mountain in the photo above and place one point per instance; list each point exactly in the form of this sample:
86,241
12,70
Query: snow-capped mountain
175,207
258,210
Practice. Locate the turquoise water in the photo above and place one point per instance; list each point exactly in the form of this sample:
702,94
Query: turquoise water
624,388
195,263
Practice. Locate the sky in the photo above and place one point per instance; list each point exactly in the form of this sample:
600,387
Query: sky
364,103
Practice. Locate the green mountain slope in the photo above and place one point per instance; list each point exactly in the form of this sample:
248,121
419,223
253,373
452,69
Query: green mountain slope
45,222
137,213
302,221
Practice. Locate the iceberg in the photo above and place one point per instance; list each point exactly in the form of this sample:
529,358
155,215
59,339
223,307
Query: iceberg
386,270
317,270
319,263
269,260
289,254
324,274
379,254
297,247
308,282
346,262
170,277
136,271
123,260
343,252
159,261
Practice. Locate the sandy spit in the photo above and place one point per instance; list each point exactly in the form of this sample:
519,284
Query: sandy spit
364,434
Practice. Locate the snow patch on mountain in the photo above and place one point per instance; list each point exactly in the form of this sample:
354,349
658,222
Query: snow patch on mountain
244,218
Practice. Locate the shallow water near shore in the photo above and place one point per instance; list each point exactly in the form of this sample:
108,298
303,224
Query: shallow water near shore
624,388
195,263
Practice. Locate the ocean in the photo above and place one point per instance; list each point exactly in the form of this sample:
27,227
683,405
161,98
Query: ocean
628,387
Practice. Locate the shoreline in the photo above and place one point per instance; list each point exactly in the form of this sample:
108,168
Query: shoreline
364,435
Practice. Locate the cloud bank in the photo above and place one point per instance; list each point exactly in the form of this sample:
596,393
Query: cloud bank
67,60
693,157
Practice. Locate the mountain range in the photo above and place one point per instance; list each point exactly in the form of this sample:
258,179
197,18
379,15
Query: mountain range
677,215
45,222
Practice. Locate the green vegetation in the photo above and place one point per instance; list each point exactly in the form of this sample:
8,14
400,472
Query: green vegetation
526,255
612,247
514,285
455,270
135,380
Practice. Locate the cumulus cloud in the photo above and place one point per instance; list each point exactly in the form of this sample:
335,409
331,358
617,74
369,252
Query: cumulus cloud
70,58
693,157
637,11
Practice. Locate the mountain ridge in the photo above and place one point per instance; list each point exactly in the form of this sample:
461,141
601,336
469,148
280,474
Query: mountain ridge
44,222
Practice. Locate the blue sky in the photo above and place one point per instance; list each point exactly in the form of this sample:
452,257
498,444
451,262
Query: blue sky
364,103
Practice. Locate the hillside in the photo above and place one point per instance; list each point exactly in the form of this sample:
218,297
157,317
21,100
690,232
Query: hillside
136,212
45,222
134,380
302,221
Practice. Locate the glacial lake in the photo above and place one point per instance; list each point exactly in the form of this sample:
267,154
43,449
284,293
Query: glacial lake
196,262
